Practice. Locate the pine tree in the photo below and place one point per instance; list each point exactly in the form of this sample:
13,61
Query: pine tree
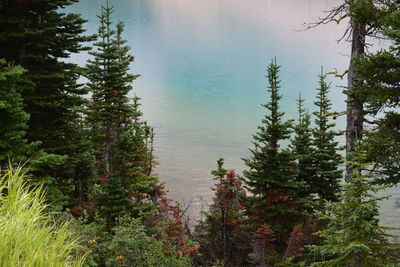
353,236
303,151
354,109
122,142
378,83
13,119
271,177
220,234
38,36
328,175
367,20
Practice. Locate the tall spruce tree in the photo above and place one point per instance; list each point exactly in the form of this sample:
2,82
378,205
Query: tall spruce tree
303,150
38,36
120,139
354,109
326,182
367,19
353,236
378,82
271,178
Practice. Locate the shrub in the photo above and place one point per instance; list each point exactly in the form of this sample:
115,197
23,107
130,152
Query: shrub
128,245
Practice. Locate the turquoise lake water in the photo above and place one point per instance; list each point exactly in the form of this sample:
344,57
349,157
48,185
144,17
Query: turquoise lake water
203,64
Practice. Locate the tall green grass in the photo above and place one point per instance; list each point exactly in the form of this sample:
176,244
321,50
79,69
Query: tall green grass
28,235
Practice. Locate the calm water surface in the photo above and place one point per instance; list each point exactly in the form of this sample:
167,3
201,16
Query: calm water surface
203,64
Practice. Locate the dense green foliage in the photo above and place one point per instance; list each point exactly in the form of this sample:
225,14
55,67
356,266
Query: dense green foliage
29,236
89,147
269,225
353,236
130,245
378,82
120,140
13,119
126,196
327,174
303,150
316,149
37,36
271,179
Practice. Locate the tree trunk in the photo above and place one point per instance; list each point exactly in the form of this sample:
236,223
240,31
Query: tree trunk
354,124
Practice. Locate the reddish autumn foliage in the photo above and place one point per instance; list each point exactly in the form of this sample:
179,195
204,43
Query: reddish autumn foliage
295,247
265,235
262,243
78,210
222,235
274,197
112,94
226,198
171,228
102,179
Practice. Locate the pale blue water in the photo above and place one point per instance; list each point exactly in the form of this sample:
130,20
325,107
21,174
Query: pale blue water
203,64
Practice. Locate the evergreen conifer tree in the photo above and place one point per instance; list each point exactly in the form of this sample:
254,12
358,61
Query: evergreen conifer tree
326,182
378,77
38,36
367,19
13,119
220,234
122,142
274,199
303,150
353,236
